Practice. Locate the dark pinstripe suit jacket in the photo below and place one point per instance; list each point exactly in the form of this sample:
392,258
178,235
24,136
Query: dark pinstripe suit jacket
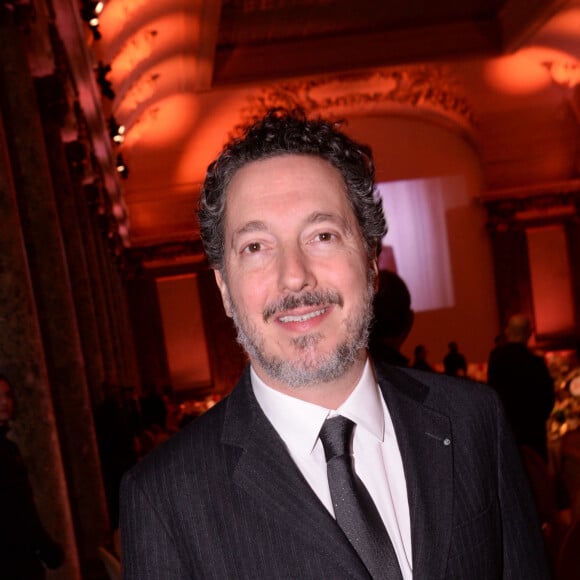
223,499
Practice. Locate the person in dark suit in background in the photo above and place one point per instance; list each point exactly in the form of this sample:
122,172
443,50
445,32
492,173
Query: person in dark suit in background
420,361
454,363
392,320
290,222
524,385
118,425
26,549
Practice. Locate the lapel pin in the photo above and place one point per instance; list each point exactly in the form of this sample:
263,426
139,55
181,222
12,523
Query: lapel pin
446,441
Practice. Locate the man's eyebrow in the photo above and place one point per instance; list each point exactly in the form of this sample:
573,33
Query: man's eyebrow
321,217
249,227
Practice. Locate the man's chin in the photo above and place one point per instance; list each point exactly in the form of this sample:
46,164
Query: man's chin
307,358
303,371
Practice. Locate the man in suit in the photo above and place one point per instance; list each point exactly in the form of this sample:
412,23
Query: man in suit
290,223
518,374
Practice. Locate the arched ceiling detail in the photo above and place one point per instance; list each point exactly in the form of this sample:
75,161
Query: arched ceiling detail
185,72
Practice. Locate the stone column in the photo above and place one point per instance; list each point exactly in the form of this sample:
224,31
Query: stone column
112,265
22,361
104,258
573,237
52,101
52,292
88,226
125,328
512,272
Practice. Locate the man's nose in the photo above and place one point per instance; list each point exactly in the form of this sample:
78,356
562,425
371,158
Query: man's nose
295,270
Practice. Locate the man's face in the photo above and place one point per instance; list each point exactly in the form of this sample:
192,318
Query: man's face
6,403
297,279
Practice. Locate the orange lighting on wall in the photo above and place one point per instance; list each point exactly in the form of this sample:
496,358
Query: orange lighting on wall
524,72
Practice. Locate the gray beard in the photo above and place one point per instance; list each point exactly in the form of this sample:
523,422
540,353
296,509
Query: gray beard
306,370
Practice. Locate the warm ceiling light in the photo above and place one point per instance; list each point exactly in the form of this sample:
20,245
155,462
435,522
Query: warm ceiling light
120,136
116,131
122,168
89,13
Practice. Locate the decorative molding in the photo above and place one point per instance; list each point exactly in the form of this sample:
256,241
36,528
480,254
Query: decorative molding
166,259
418,89
76,57
517,207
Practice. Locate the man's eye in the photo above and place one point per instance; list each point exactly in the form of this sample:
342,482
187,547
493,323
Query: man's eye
325,237
253,247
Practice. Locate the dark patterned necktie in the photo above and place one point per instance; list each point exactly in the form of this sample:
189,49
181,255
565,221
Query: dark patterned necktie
354,508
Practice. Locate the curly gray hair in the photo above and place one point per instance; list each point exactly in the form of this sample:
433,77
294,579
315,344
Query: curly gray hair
282,132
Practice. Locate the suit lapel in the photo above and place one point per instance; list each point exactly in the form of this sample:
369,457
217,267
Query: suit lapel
425,442
266,472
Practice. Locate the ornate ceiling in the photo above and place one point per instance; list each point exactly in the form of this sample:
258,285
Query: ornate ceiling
178,75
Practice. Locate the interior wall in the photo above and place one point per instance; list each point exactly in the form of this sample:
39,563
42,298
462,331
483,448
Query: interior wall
411,148
551,280
184,333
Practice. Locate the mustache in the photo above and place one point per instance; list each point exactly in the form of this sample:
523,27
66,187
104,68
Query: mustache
312,298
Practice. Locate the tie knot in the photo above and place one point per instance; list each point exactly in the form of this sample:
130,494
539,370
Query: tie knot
335,436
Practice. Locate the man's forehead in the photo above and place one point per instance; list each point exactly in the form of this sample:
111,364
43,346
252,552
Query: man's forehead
314,217
308,189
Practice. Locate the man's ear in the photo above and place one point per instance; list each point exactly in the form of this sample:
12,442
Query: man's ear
223,291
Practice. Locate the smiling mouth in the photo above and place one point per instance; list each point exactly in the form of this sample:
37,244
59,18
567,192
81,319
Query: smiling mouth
302,317
320,299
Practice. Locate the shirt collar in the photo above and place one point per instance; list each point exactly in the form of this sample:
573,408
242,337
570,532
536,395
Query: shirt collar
298,422
364,406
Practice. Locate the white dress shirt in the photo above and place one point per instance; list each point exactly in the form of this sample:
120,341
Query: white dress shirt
374,448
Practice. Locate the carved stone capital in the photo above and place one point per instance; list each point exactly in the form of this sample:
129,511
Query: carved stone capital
519,207
168,258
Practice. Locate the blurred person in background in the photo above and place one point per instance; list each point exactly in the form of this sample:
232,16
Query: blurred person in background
393,319
523,382
454,363
420,361
26,549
